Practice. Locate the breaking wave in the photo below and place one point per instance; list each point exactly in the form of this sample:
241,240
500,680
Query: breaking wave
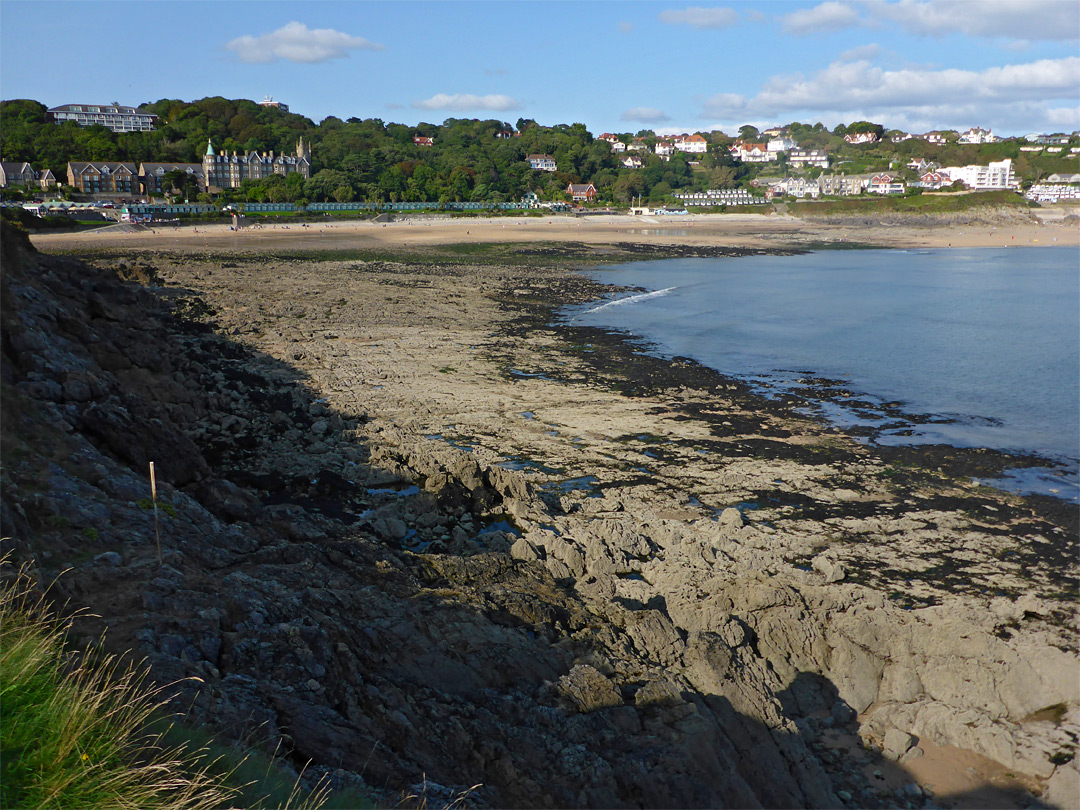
633,299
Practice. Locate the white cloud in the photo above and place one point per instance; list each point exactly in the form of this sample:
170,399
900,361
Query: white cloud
645,115
829,16
697,17
1003,19
1011,19
295,42
464,102
625,27
725,106
848,91
861,52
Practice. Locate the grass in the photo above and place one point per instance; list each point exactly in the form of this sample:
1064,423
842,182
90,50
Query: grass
72,733
916,204
83,730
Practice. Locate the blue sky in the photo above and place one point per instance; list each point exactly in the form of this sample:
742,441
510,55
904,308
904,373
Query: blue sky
1009,65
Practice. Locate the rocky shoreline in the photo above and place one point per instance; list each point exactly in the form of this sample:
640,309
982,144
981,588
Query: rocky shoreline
414,528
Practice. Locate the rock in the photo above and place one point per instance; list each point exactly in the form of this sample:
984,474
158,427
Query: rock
391,528
524,550
585,689
1063,788
730,521
897,743
912,753
829,568
109,558
842,714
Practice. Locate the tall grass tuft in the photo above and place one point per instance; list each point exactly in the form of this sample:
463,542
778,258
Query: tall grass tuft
73,732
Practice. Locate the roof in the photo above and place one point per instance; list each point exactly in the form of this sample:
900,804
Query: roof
109,109
98,165
151,168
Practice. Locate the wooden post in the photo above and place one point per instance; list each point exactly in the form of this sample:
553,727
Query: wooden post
157,531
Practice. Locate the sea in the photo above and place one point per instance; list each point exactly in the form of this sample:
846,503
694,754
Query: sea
965,347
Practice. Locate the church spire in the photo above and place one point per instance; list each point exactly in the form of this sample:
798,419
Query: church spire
210,148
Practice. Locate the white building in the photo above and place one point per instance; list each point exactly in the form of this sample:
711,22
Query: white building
996,175
751,152
543,163
692,144
114,116
809,157
268,101
664,148
781,144
1053,192
885,184
718,196
798,187
978,135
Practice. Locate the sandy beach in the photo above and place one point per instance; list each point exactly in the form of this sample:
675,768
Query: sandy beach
695,230
657,489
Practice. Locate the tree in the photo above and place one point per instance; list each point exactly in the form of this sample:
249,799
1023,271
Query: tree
748,132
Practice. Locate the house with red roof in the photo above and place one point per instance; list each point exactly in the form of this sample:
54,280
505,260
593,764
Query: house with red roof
581,192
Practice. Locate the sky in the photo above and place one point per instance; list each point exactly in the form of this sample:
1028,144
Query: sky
1012,66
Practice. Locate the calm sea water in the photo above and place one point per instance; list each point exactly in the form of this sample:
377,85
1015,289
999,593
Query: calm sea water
972,348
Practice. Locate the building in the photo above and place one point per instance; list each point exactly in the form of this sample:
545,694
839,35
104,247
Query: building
936,138
809,157
92,177
151,175
543,163
23,174
633,162
840,185
268,101
692,144
665,148
229,171
978,135
114,116
581,192
717,196
618,147
997,175
798,187
885,184
781,144
932,179
1053,192
420,140
861,137
751,152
